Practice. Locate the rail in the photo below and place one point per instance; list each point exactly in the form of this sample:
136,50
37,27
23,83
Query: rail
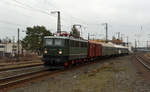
4,82
19,67
142,61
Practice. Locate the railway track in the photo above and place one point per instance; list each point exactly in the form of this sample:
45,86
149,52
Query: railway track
17,63
32,76
143,61
19,67
12,80
4,74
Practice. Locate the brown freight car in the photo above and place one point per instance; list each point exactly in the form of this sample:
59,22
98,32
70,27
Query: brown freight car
94,49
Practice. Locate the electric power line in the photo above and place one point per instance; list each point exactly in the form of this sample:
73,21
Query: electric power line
26,6
23,13
33,8
6,22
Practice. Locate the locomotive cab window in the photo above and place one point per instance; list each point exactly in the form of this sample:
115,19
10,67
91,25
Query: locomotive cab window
54,42
48,42
59,42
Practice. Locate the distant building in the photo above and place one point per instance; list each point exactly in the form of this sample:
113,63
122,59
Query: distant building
2,49
9,49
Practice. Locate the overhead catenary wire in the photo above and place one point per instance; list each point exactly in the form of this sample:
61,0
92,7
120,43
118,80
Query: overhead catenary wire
32,8
11,23
20,6
26,6
65,12
46,12
37,9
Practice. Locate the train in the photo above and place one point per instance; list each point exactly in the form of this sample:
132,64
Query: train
64,51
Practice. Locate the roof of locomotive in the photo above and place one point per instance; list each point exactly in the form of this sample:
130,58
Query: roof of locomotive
61,37
66,37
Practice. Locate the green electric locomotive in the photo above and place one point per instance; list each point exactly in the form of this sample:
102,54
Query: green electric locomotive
61,51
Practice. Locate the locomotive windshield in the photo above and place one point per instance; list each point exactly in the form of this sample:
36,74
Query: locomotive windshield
54,42
48,42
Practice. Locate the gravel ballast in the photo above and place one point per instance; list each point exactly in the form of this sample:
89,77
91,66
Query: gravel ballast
114,75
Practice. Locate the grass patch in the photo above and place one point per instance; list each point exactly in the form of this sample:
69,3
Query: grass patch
95,80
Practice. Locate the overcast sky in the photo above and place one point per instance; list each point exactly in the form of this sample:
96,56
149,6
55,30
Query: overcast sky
130,17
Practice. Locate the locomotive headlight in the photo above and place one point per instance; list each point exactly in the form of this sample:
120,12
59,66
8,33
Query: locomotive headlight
60,52
45,51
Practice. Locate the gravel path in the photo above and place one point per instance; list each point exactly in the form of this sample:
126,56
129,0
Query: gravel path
114,75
